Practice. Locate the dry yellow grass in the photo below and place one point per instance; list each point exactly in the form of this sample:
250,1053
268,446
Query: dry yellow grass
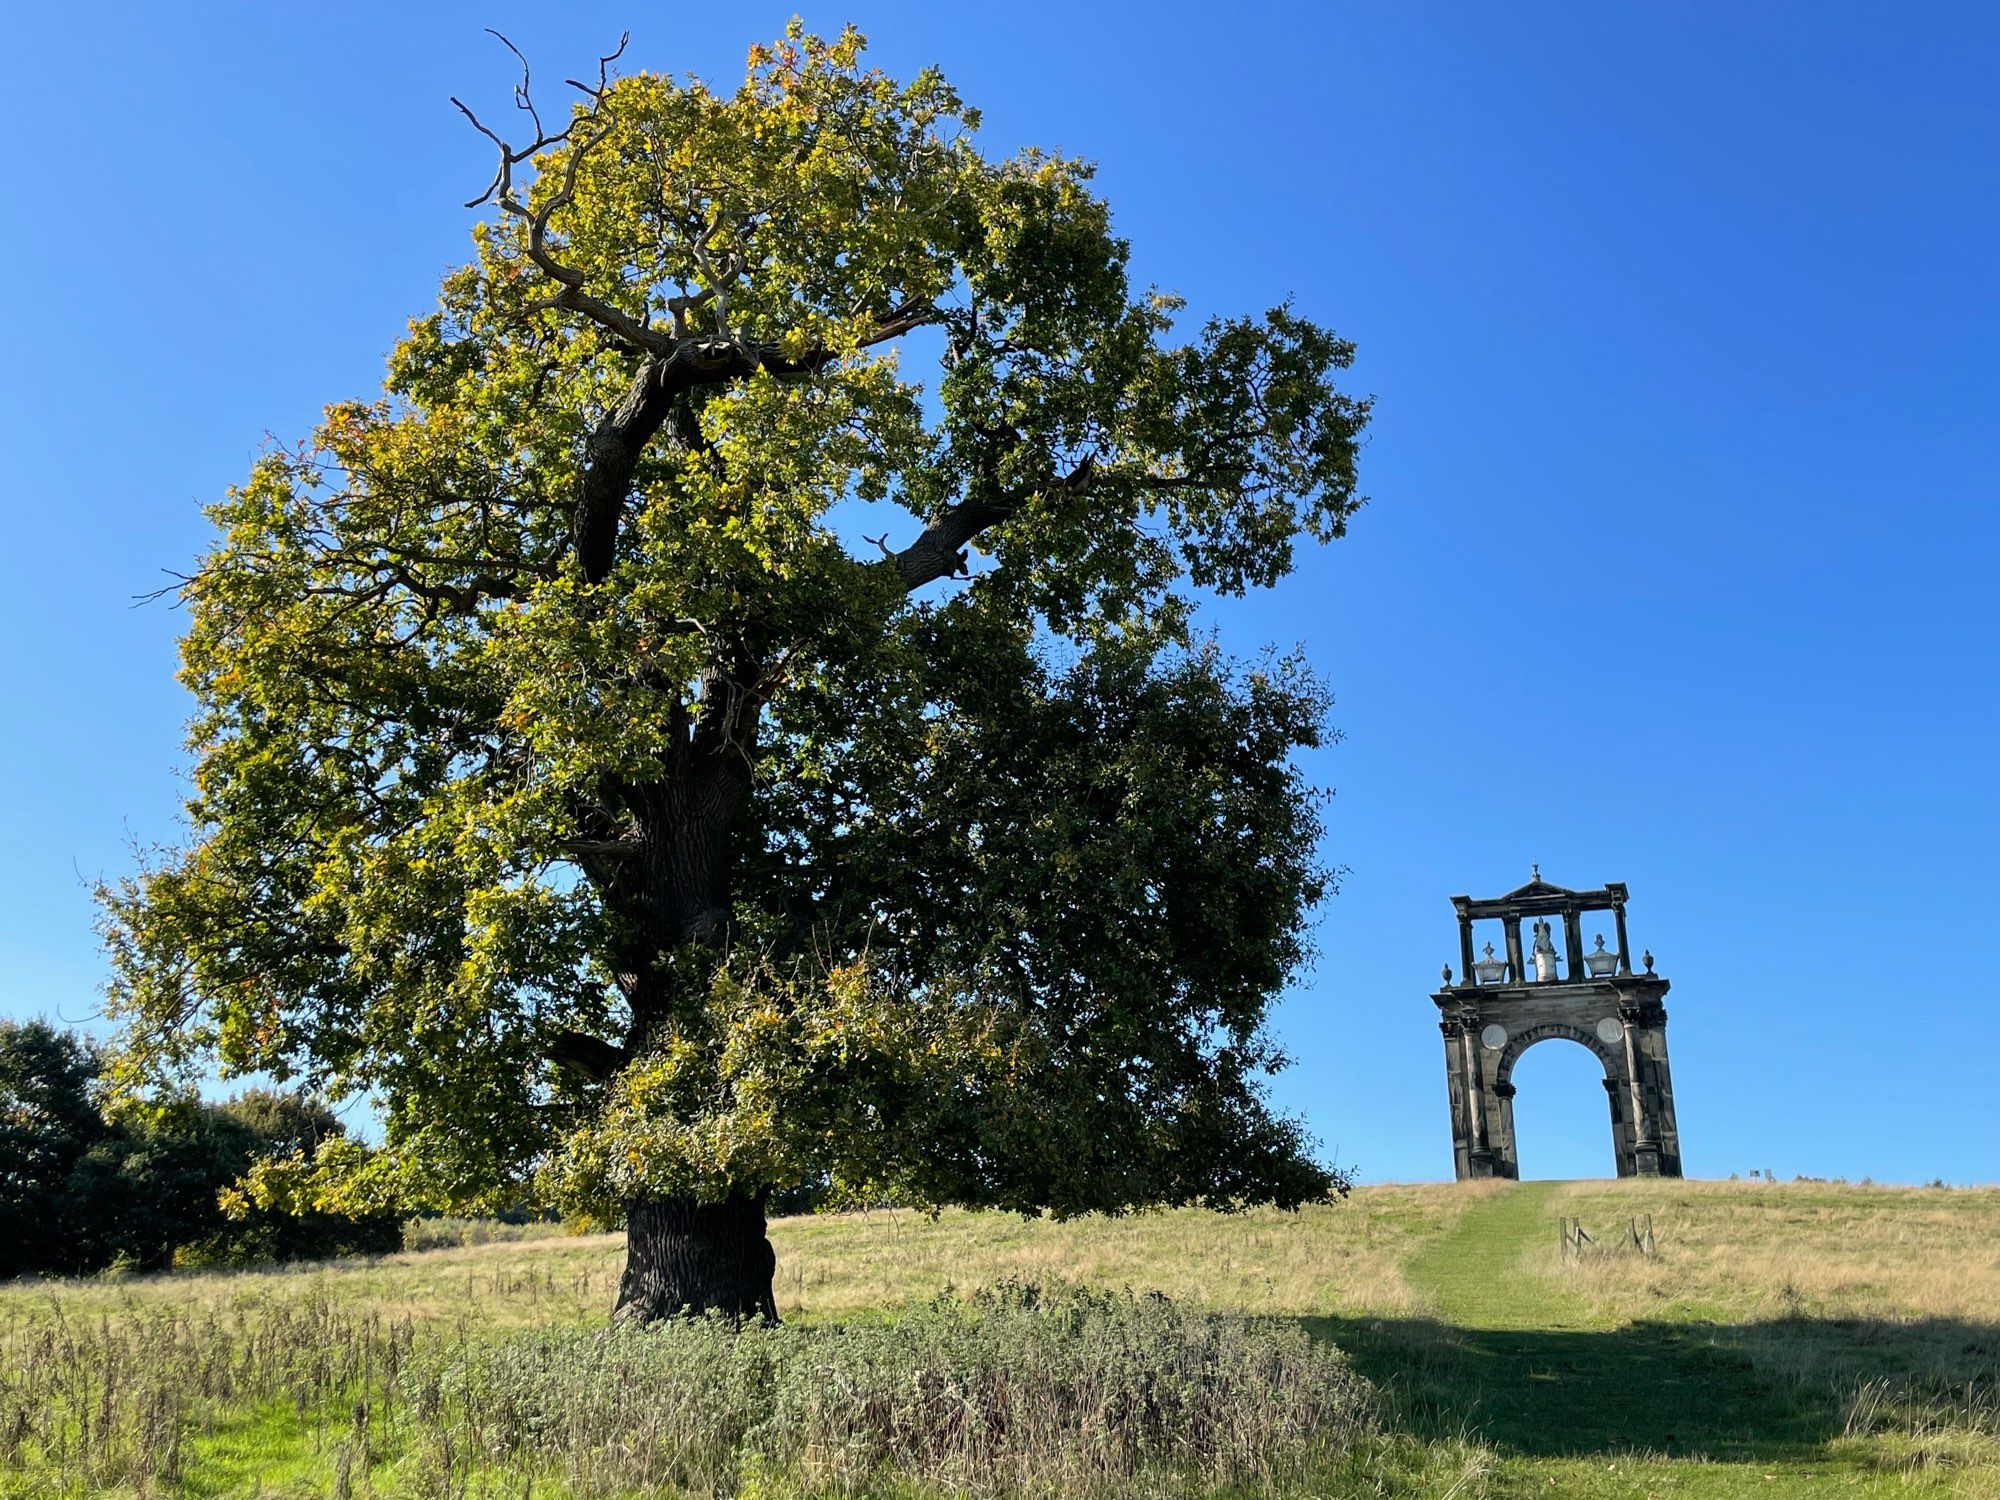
1729,1251
1338,1258
495,1286
1735,1251
1344,1257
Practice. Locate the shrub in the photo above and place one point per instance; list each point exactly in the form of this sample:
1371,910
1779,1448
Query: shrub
450,1231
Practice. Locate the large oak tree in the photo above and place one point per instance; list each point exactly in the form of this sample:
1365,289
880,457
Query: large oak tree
575,776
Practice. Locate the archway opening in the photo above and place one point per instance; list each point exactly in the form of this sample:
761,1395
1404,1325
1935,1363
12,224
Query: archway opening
1562,1119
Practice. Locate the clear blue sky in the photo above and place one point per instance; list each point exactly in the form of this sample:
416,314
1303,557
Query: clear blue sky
1681,563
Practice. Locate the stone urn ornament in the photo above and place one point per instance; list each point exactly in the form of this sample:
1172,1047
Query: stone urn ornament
1600,963
1489,970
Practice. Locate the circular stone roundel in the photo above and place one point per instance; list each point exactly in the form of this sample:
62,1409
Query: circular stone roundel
1494,1037
1608,1030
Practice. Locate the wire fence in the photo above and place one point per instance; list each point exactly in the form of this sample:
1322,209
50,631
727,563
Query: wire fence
1634,1234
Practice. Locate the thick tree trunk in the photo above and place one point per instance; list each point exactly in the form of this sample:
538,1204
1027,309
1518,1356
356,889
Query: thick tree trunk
684,1259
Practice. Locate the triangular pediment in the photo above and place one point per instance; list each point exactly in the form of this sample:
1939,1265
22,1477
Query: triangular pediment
1538,887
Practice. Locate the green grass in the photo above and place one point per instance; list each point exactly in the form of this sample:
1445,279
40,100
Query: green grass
1805,1339
1569,1395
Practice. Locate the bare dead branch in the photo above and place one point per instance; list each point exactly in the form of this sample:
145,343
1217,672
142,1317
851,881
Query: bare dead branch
572,297
523,99
603,64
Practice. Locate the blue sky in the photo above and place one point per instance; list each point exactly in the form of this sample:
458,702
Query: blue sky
1680,565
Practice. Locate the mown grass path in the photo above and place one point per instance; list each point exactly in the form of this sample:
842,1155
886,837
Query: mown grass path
1473,1274
1574,1404
1547,1377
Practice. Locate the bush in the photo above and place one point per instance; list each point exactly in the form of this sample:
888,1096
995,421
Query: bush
450,1232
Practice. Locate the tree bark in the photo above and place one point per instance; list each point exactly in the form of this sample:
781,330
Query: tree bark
687,1259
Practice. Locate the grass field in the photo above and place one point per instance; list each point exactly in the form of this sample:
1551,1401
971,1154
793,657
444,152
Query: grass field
1801,1339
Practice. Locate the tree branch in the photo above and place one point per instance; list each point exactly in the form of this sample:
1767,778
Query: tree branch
617,443
591,1057
601,848
572,297
939,552
675,362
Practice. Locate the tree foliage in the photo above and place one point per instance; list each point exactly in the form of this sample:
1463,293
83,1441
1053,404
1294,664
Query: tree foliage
153,1187
573,777
48,1122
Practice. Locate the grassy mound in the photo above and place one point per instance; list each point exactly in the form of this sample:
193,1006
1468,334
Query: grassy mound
1786,1339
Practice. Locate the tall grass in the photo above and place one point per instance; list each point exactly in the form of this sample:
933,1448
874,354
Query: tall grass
1919,1422
1019,1391
86,1405
479,1370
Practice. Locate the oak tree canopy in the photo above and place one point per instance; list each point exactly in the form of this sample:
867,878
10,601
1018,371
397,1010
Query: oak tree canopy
577,776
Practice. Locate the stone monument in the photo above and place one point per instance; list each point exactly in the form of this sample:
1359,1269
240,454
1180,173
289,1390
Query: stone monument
1498,1010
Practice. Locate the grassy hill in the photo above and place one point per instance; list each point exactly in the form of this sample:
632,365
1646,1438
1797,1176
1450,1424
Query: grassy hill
1784,1339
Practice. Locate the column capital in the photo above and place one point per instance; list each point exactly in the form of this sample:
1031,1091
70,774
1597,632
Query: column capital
1503,1090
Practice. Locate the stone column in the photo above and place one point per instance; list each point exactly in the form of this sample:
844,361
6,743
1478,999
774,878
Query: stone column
1518,975
1621,1147
1481,1153
1645,1145
1454,1095
1666,1129
1624,947
1506,1150
1465,950
1573,943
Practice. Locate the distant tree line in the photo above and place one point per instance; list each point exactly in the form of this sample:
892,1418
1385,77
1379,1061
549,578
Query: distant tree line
80,1192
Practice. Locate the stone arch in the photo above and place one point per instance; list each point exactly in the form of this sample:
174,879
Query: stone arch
1496,1009
1518,1043
1500,1091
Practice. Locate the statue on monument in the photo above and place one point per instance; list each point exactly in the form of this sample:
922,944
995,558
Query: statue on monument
1545,954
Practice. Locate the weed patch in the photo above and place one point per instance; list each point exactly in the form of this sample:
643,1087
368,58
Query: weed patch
1018,1391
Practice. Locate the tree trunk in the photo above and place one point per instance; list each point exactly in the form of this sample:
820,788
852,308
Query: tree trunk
684,1259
